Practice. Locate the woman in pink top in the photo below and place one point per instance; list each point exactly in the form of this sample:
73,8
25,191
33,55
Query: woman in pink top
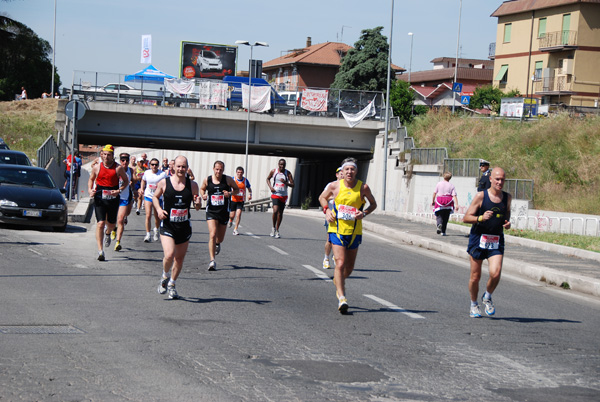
444,200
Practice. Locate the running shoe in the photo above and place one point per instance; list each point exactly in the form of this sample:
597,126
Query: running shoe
326,264
235,232
101,256
212,266
137,211
106,239
277,236
230,224
272,232
489,306
113,234
343,306
147,238
172,292
155,237
118,246
444,234
125,221
475,312
162,286
217,248
439,228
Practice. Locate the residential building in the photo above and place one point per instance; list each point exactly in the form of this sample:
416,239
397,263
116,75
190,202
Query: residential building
434,87
314,66
549,49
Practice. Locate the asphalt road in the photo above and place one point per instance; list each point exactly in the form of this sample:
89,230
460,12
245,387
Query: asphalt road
265,326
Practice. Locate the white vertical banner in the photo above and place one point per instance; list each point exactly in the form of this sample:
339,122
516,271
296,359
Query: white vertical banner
146,49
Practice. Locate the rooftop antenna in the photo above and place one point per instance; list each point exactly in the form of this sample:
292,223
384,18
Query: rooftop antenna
342,35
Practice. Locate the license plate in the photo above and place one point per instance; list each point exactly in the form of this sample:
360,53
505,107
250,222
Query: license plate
35,213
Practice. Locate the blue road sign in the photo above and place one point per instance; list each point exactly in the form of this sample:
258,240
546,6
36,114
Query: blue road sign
465,100
457,87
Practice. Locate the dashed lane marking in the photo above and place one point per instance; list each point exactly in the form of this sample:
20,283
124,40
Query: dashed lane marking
34,251
280,251
252,234
394,307
318,272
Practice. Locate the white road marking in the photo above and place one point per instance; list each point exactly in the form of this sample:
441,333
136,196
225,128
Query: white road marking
34,251
252,234
318,272
280,251
394,307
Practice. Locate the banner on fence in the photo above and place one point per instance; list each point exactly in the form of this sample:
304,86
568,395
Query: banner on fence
314,100
213,93
261,98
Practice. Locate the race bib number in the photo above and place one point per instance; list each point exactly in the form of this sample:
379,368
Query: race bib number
178,215
107,195
489,242
346,213
241,193
217,200
279,187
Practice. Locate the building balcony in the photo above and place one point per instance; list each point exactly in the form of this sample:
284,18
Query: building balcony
492,51
560,85
558,41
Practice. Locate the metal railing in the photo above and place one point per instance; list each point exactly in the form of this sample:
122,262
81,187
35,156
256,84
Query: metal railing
85,85
554,84
520,189
47,152
558,39
462,167
492,51
428,156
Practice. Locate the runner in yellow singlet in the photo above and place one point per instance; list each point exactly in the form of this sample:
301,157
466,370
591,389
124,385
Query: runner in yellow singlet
345,223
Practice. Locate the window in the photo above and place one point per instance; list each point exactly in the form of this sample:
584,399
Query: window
507,29
539,65
566,25
502,75
542,28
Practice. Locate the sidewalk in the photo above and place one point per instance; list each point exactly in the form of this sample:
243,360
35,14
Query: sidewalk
536,260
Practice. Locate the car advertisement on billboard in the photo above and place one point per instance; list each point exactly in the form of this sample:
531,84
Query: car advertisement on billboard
207,60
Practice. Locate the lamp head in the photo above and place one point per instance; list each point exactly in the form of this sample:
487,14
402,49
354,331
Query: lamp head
242,42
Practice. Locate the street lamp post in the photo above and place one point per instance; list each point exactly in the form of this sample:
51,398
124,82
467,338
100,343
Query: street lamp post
456,62
410,60
387,111
245,42
53,52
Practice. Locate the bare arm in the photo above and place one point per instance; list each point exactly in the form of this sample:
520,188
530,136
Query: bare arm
123,175
269,177
366,193
290,180
160,189
91,181
471,214
195,193
234,187
203,189
507,220
329,192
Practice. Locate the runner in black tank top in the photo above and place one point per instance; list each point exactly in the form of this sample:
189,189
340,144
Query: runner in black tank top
216,190
177,205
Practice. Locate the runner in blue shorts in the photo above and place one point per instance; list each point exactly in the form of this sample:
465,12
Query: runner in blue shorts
489,213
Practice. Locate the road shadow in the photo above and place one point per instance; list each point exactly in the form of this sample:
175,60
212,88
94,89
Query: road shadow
220,299
527,320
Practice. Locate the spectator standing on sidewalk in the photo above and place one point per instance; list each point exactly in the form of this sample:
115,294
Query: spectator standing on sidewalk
489,213
444,201
484,180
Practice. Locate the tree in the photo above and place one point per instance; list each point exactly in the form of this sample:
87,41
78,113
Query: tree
489,97
24,61
365,66
402,100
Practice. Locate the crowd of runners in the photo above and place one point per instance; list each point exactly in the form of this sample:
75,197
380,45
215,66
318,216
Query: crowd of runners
168,192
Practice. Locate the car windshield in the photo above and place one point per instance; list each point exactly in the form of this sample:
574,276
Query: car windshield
15,159
26,177
209,55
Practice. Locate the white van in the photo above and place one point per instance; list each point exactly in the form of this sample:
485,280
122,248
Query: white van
292,98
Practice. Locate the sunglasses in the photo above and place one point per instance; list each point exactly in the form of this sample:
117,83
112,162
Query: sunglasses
154,164
124,159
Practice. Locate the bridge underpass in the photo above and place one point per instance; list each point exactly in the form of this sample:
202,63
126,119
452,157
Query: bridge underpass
319,143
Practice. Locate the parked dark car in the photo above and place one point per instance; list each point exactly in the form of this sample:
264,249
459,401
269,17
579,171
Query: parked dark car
29,196
3,145
9,157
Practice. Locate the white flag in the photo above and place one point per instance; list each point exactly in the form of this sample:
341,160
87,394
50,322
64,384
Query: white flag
146,49
354,118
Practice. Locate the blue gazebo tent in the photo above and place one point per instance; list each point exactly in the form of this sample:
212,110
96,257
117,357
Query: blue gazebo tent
149,74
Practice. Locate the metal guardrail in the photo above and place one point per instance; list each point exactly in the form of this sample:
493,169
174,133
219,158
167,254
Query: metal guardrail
47,152
462,167
520,189
261,205
428,156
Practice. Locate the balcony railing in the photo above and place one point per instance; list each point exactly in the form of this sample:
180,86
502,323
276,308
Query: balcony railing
558,40
553,85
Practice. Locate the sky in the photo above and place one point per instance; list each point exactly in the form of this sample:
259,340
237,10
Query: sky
105,35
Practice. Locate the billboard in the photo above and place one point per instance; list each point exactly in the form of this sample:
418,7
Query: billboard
207,60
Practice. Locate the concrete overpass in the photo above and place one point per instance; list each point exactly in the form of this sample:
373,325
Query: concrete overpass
225,131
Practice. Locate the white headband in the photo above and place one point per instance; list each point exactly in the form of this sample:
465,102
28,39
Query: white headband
349,164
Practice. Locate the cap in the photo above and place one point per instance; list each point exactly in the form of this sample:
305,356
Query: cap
483,162
108,148
338,170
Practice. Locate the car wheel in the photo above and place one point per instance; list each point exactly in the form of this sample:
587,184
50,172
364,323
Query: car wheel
60,228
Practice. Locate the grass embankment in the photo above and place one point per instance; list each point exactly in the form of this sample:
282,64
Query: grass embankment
561,154
25,125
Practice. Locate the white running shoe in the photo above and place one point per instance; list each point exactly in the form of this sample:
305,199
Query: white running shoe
326,264
272,232
277,236
489,306
162,286
212,266
156,236
217,248
475,312
101,256
230,224
235,232
137,211
343,306
147,238
172,292
106,239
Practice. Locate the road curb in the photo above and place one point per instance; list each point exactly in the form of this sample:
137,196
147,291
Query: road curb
540,273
